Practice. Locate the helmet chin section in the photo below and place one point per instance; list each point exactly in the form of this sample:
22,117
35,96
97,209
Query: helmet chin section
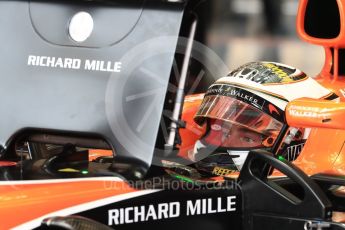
192,154
201,151
238,157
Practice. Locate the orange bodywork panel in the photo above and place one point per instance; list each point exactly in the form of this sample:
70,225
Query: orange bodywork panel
192,132
338,41
21,202
329,75
313,113
323,152
95,153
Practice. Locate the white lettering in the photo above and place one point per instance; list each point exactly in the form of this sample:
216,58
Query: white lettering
171,210
140,214
113,217
163,211
109,69
73,63
151,213
122,216
31,60
210,210
174,209
117,67
68,63
59,63
219,205
231,204
42,59
50,61
204,206
193,209
76,63
127,219
102,66
97,65
90,65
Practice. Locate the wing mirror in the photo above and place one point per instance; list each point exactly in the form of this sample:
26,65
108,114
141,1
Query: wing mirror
315,113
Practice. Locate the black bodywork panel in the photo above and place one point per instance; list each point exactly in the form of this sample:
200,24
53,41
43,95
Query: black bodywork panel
210,210
91,96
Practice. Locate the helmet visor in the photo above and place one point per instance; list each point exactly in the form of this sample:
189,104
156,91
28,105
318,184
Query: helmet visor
238,113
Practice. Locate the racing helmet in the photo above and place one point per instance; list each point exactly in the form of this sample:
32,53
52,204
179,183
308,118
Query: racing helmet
245,110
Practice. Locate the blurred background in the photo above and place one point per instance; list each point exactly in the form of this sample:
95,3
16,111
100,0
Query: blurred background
241,31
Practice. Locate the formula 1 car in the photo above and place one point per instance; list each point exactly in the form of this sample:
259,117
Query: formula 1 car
66,91
324,139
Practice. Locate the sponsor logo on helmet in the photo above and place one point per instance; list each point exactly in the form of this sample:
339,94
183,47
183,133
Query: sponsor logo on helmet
234,92
284,76
216,127
268,73
273,109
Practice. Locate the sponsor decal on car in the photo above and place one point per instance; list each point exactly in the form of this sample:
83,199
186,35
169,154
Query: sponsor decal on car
143,213
74,63
311,112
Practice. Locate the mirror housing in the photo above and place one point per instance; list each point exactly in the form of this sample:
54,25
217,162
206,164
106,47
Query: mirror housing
315,113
